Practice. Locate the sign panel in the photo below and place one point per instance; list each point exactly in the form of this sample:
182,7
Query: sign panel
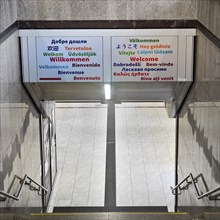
69,59
107,55
144,59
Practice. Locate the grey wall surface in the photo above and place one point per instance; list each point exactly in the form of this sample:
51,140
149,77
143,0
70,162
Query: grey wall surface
19,129
208,15
106,9
8,13
199,133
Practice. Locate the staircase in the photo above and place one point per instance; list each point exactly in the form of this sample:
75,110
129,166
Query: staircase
111,216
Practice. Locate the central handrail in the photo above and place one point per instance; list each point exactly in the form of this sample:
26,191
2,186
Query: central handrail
193,181
23,182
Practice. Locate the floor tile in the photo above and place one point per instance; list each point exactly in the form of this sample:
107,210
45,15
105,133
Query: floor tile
96,199
81,137
144,162
145,154
62,203
141,199
80,199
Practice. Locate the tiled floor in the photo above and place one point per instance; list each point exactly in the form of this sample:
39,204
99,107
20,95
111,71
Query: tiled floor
81,150
145,152
144,155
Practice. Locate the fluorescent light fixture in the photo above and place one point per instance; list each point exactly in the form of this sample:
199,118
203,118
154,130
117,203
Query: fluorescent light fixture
107,88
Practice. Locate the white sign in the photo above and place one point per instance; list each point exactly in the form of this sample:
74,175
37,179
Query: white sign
69,59
107,55
144,59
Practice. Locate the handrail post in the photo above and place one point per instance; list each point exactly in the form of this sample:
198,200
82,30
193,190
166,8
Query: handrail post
194,184
21,187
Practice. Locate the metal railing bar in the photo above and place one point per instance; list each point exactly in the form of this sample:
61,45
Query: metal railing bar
9,195
23,182
209,193
179,184
37,184
194,181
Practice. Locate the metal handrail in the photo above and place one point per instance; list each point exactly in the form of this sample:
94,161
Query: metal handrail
194,181
178,185
24,182
209,193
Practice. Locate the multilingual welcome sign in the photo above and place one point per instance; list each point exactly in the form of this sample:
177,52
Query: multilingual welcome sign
118,55
69,59
144,59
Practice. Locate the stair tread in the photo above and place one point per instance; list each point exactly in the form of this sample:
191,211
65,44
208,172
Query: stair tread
113,216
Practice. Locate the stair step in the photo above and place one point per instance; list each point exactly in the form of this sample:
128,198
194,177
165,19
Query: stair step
211,215
111,216
7,216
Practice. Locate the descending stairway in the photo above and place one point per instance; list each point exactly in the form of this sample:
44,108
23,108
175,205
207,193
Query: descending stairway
111,216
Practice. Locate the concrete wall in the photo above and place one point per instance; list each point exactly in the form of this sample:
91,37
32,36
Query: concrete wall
8,13
208,15
19,126
199,150
106,9
19,121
